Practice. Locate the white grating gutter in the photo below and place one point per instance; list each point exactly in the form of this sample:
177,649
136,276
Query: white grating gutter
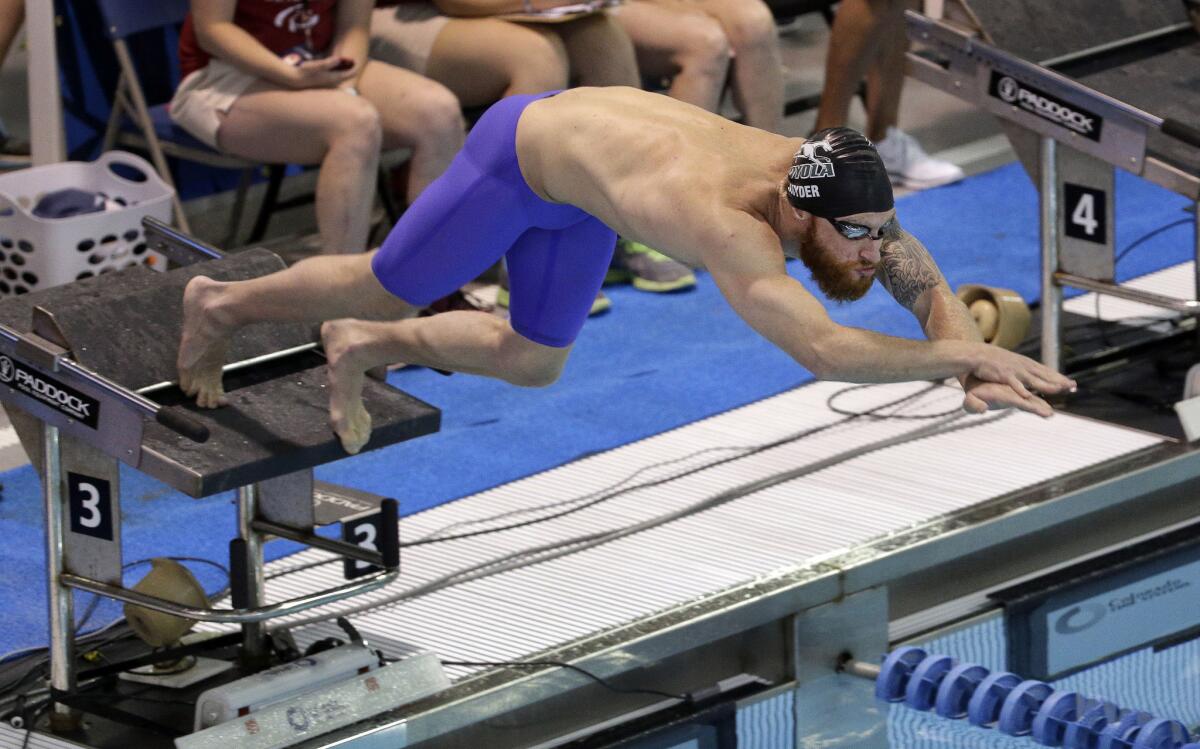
15,738
519,612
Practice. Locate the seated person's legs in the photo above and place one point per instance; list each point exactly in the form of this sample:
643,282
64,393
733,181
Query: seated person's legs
906,162
600,52
868,39
480,59
485,59
418,113
757,62
856,32
675,40
330,127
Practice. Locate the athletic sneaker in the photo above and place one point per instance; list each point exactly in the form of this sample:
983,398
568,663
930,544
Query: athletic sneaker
909,166
600,304
648,269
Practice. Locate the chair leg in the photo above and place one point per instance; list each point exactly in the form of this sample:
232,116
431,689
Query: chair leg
239,203
142,116
270,199
386,196
114,117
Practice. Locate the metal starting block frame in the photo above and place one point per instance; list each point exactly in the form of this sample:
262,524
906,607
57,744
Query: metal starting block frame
76,423
1075,182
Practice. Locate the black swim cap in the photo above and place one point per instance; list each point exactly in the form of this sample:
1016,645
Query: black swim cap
838,172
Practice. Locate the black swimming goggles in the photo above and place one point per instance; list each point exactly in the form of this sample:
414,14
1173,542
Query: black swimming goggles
858,231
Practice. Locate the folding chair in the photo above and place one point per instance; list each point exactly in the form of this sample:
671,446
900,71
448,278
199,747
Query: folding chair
138,124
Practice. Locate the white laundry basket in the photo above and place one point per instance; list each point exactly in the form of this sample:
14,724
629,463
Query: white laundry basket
36,253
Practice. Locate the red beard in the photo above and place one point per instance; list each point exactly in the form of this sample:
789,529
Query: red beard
838,281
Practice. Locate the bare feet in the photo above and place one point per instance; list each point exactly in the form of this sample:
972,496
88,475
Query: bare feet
203,345
347,414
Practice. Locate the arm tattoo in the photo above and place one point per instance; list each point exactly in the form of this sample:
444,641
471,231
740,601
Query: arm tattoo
907,270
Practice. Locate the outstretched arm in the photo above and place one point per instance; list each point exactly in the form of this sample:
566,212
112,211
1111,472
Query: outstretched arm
752,277
785,313
908,272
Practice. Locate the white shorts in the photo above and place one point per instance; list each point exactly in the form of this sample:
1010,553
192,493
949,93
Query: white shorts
205,95
404,35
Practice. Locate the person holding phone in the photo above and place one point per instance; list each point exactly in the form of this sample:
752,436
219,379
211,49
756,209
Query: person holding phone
289,81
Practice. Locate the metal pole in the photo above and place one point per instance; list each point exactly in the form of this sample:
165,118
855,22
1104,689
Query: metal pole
238,615
1196,266
1196,245
862,670
1052,295
62,614
45,102
253,633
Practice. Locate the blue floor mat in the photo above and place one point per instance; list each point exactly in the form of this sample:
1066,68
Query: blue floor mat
653,363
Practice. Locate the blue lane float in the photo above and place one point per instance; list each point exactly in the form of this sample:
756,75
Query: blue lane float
960,684
922,690
1018,707
898,667
1022,706
1056,714
1087,726
983,710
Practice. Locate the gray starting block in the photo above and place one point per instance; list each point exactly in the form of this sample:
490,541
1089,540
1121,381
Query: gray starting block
86,375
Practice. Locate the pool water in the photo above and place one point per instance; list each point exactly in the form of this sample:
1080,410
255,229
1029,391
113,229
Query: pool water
1166,684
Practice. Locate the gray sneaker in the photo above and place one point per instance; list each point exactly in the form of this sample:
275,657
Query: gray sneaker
909,166
648,269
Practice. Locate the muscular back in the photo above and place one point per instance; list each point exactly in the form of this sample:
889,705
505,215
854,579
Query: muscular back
663,172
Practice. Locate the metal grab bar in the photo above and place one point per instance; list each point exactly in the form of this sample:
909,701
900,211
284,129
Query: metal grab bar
235,616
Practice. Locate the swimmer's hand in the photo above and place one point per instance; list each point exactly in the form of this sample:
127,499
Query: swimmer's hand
1022,374
991,396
